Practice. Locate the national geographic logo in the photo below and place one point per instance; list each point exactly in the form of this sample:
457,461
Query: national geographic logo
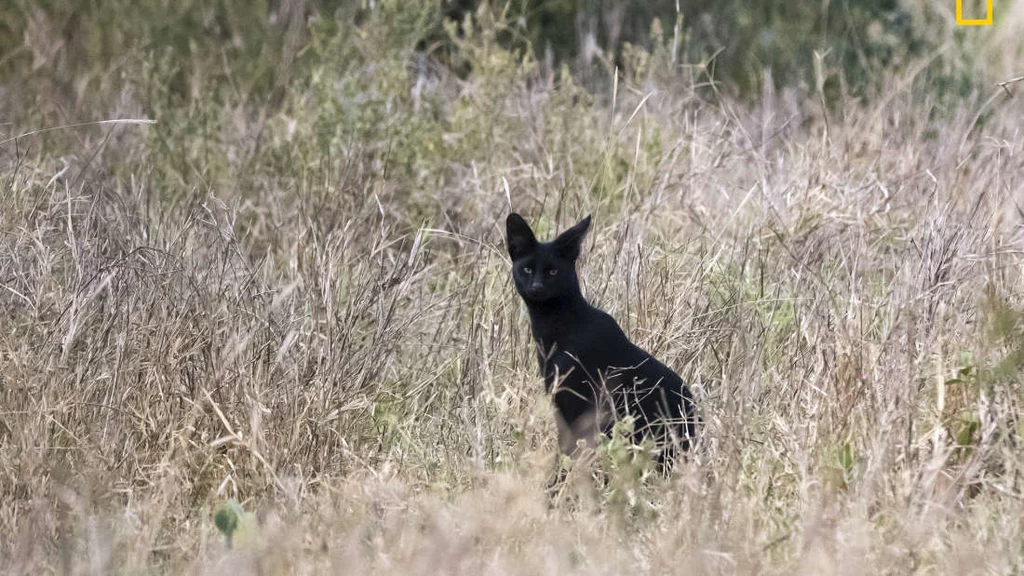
961,21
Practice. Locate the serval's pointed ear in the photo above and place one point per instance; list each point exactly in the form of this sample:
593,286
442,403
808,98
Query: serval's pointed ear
569,242
520,239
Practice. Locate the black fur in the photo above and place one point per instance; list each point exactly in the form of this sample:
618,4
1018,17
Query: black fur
595,373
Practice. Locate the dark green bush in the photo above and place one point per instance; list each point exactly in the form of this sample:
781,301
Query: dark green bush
740,38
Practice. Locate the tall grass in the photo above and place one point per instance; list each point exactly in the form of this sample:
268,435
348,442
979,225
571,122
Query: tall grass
291,290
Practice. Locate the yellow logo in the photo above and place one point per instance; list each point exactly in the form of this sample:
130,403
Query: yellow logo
960,21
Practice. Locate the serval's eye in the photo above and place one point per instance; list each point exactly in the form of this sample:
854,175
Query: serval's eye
527,270
553,272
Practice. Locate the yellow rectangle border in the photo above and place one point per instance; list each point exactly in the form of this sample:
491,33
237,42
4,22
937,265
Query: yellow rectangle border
986,21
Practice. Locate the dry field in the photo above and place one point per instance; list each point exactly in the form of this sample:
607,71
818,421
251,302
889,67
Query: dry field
303,303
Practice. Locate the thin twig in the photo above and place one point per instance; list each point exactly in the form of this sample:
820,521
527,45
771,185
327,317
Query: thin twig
79,125
1004,85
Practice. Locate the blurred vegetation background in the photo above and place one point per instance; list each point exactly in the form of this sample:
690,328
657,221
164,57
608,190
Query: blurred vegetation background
339,69
749,44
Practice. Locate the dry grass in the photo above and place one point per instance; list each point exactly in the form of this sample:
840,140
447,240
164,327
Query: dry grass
229,304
